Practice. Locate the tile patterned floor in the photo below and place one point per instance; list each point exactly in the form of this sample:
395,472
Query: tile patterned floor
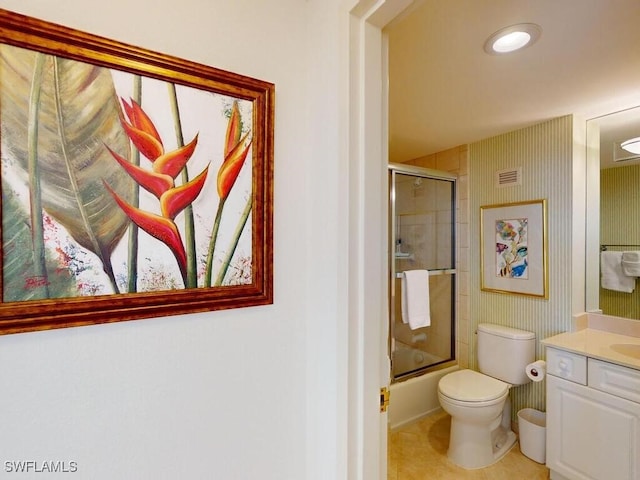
419,452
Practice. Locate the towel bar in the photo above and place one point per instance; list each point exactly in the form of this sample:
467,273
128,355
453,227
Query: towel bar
444,271
603,248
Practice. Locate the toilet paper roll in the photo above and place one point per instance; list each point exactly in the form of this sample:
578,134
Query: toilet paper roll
536,370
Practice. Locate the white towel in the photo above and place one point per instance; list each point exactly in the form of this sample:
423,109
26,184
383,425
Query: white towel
631,263
612,276
415,298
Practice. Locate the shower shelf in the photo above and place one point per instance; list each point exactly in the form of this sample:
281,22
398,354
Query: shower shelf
444,271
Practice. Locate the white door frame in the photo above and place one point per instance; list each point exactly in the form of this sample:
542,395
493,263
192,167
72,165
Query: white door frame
368,243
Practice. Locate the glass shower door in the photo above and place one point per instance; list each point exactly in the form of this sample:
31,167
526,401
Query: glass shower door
422,233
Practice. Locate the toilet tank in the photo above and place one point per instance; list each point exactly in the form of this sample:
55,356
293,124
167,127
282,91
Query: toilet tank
504,352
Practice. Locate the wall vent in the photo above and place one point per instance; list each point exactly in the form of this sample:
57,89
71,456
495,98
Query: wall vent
509,177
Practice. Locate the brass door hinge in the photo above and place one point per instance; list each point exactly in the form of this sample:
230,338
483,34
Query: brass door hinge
384,399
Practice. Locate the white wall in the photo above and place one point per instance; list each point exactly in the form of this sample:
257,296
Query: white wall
240,394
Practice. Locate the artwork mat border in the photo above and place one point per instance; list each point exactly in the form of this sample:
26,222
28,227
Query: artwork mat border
537,285
27,32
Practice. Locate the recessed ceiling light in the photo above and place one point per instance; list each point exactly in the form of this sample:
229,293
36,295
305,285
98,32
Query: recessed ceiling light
510,39
632,145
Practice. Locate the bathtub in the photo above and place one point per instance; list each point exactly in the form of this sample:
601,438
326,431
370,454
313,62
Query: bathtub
407,359
416,397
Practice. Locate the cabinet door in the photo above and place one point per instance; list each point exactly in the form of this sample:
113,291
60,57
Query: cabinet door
591,435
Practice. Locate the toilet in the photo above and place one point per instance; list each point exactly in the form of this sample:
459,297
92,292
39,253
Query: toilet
479,402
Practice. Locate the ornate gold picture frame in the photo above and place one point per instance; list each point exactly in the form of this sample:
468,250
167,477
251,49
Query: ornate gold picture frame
134,184
513,248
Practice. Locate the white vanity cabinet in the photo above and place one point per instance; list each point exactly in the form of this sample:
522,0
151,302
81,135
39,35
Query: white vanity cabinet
593,418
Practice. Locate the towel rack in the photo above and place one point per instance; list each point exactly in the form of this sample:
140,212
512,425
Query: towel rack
603,248
443,271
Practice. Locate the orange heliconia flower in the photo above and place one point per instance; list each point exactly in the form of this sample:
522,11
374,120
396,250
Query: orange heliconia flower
236,149
176,199
155,183
164,229
142,131
159,181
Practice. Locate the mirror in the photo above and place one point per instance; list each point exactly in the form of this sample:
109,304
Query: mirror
613,218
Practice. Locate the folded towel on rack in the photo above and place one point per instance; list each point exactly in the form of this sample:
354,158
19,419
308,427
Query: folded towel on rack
611,275
631,263
415,298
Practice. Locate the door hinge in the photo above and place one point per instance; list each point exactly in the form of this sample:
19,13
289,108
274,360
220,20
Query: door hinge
384,399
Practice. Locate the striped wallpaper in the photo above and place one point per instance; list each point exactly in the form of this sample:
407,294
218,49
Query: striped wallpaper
545,154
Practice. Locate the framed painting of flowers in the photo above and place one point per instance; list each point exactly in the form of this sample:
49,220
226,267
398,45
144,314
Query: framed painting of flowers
513,248
134,184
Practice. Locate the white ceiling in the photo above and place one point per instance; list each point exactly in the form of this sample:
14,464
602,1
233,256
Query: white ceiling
444,90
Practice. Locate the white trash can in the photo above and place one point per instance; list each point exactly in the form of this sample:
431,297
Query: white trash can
532,425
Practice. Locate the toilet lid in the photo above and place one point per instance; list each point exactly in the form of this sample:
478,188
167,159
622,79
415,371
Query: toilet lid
471,386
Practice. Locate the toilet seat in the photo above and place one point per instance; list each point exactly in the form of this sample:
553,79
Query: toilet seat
469,386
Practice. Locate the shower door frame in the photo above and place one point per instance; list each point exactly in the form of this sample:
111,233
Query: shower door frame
431,174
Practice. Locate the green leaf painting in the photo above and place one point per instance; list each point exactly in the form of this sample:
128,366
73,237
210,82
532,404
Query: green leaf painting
89,153
18,256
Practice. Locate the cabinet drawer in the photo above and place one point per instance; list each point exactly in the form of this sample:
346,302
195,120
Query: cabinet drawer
619,381
567,365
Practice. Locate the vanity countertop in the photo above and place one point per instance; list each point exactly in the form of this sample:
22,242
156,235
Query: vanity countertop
603,345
